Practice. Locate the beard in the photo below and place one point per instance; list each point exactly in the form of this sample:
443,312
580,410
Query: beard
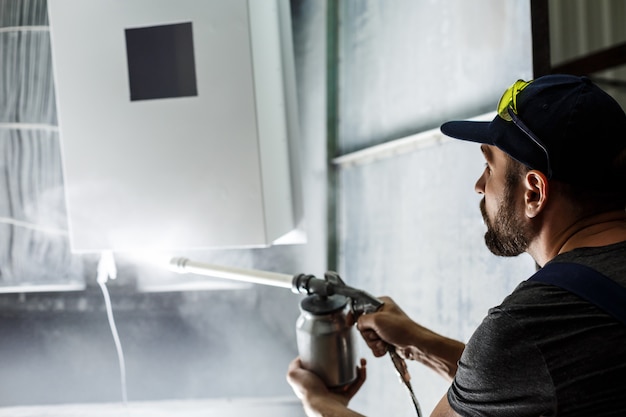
508,235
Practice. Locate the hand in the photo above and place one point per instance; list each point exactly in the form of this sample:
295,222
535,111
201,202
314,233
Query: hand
319,399
387,326
391,326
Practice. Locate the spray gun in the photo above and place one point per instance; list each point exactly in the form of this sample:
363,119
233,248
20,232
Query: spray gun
325,328
325,331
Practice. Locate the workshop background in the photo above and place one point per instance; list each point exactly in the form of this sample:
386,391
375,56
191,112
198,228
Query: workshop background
388,202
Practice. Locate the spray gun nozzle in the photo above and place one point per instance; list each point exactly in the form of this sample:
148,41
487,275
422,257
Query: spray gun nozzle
309,284
362,302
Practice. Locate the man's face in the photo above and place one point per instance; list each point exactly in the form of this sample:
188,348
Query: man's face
508,230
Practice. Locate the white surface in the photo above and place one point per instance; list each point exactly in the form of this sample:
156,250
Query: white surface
262,407
191,172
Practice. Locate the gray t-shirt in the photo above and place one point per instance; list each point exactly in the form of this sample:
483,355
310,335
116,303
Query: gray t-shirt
546,352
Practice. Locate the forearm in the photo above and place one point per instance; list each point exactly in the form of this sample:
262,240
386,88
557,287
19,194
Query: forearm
438,352
391,326
325,407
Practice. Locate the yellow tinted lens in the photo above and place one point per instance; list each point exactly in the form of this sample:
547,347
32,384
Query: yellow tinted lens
509,99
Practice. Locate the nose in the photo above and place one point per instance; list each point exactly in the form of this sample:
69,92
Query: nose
479,187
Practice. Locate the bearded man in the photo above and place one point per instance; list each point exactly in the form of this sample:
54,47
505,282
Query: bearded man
554,186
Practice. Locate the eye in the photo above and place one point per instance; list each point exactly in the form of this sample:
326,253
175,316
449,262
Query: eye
487,168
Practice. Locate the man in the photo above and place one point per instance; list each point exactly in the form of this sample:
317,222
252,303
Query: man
554,186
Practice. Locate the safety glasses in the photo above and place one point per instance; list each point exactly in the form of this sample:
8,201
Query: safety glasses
507,110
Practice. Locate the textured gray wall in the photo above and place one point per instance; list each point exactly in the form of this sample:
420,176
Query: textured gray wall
409,223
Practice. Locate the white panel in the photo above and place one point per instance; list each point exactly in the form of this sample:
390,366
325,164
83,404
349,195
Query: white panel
185,172
273,97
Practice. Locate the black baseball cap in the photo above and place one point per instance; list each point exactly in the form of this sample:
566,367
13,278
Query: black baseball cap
562,125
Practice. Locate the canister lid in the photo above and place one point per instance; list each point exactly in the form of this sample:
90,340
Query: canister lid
316,304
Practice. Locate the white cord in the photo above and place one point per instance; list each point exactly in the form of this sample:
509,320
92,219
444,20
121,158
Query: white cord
106,270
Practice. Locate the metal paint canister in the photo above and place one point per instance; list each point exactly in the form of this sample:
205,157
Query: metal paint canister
326,338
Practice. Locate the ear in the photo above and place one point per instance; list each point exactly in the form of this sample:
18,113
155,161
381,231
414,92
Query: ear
536,191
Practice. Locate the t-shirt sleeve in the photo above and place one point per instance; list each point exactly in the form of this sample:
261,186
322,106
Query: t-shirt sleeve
501,373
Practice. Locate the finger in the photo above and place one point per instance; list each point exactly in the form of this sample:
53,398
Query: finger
379,348
370,335
294,365
297,376
367,324
374,342
361,376
347,392
294,378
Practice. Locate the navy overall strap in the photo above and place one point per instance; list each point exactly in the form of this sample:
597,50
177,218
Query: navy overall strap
588,284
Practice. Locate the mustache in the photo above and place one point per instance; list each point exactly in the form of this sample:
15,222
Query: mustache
483,209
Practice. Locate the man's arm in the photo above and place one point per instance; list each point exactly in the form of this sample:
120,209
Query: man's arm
319,401
391,326
443,409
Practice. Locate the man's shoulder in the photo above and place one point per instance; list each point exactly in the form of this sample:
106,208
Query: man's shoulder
608,260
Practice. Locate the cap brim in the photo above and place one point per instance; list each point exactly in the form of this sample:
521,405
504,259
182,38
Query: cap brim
471,131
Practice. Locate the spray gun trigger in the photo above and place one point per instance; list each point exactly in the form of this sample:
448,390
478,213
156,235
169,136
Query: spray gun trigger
334,278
